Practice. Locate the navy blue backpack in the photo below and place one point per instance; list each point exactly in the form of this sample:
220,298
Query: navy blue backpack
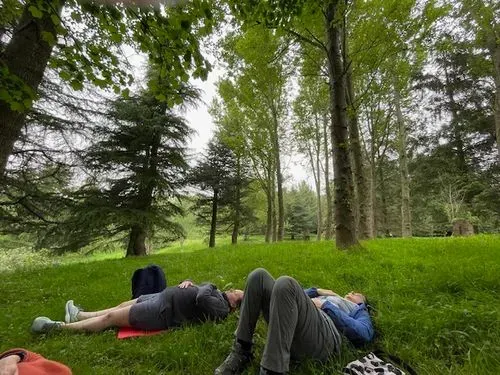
148,280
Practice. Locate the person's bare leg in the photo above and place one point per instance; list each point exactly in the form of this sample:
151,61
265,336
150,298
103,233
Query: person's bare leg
113,318
84,315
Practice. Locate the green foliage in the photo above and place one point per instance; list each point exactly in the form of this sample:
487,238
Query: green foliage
435,304
137,169
300,214
88,37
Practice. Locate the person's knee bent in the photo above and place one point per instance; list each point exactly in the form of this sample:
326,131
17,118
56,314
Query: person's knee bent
257,274
286,284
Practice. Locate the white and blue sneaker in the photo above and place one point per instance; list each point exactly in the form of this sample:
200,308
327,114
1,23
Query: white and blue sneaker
71,312
42,324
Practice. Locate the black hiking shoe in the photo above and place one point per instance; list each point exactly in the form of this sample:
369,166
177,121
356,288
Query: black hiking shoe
235,362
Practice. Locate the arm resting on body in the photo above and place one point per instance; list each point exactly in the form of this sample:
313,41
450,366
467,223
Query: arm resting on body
211,302
316,292
358,330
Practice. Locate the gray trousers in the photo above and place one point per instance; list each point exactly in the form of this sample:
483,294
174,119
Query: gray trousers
296,328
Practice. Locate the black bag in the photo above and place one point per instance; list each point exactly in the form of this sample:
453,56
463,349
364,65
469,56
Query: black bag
148,280
378,362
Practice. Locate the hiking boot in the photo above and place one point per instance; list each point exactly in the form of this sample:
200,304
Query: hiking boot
71,312
43,324
235,362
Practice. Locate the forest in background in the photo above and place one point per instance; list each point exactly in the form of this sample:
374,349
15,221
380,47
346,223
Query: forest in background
395,104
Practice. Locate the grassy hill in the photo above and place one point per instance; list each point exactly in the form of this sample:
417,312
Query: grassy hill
436,299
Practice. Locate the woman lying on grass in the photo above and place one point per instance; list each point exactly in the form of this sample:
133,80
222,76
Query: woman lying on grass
300,325
170,308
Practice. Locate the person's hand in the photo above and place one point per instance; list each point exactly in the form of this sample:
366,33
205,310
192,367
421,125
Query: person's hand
326,292
8,365
186,284
317,302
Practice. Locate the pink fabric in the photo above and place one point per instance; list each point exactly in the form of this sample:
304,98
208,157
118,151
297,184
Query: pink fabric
126,332
35,364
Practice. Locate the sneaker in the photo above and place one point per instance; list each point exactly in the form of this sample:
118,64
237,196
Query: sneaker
43,324
235,362
71,312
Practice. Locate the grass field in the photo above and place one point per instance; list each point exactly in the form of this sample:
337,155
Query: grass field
437,303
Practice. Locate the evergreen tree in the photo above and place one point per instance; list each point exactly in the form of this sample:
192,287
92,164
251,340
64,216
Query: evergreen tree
138,167
214,173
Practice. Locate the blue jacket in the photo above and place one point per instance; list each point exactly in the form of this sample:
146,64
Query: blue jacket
356,326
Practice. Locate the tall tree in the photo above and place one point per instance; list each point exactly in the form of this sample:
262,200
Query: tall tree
286,14
229,122
138,166
214,173
260,78
483,20
309,108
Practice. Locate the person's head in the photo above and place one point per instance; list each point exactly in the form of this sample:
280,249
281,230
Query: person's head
234,297
355,297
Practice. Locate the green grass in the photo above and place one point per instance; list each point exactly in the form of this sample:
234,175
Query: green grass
437,303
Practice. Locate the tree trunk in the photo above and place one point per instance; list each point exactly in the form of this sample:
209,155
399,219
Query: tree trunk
213,222
360,183
269,217
318,184
383,203
316,171
274,216
237,204
329,201
345,228
26,56
373,173
403,169
373,201
279,179
495,56
137,241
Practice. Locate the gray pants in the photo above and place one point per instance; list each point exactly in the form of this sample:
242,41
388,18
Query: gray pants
296,328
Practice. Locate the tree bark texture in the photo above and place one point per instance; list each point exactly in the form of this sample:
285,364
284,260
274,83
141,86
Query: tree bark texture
362,197
495,55
345,228
137,241
269,216
237,205
26,56
403,169
318,183
328,192
213,221
383,203
279,180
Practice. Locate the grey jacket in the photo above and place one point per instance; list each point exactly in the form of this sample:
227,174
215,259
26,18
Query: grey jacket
194,304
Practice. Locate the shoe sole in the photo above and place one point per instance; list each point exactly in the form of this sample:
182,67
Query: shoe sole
67,315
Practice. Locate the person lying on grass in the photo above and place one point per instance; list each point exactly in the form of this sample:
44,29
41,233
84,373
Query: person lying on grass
300,324
170,308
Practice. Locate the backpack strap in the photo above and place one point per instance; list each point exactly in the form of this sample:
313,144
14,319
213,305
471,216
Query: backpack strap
394,359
